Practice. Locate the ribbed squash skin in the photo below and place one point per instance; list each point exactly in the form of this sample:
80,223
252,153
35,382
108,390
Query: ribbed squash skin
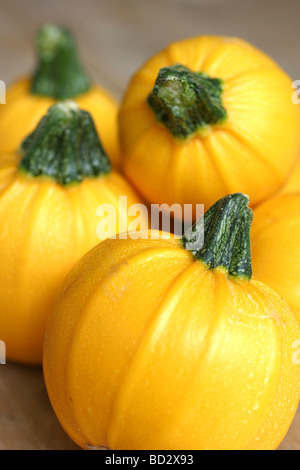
276,249
23,110
45,228
253,151
147,349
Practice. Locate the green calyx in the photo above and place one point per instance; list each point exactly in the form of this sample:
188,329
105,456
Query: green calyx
187,102
59,73
65,146
221,238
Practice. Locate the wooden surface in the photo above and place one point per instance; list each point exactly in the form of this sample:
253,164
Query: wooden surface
115,38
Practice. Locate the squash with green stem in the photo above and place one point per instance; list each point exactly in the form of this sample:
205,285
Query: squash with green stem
197,356
206,117
49,196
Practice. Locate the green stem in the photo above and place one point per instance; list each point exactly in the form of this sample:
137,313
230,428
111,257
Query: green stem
65,146
186,101
225,229
59,73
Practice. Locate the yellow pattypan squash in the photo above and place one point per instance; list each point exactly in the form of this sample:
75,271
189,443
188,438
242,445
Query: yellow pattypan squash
167,344
58,76
206,117
49,197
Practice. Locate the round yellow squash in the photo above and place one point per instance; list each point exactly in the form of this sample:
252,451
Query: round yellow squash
162,344
206,117
58,76
48,201
275,246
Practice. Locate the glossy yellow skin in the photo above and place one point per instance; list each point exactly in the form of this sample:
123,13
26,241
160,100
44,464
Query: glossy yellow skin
252,152
292,184
23,111
147,349
45,228
275,247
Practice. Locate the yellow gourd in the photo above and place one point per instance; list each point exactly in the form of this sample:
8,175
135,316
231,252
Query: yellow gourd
206,117
167,344
58,76
275,246
49,197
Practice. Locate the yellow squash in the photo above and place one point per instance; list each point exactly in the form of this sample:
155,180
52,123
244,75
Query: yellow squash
58,76
167,344
206,117
276,249
48,219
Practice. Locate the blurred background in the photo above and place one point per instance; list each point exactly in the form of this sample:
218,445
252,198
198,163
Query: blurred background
115,37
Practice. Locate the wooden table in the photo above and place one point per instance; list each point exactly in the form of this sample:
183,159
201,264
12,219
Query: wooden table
115,38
